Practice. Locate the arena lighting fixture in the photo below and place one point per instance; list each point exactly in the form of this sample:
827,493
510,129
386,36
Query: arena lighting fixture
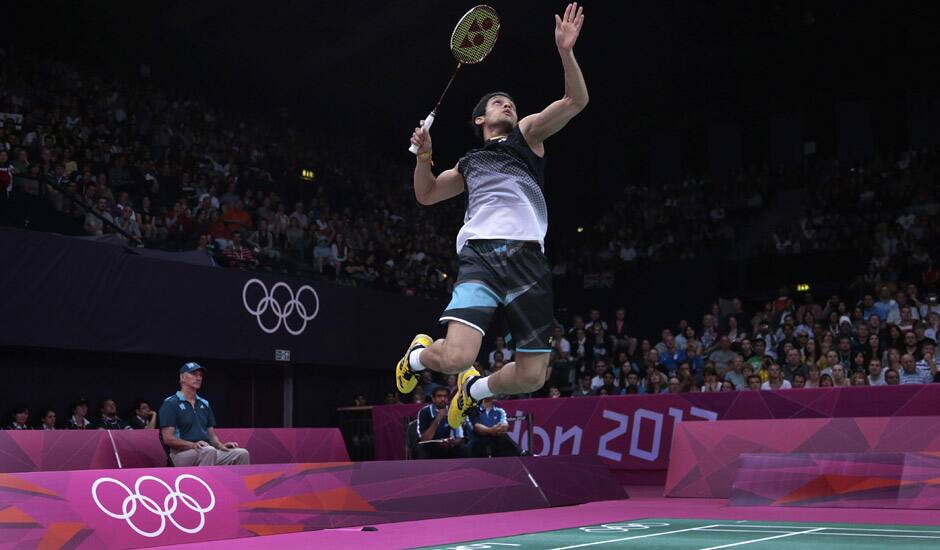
307,174
580,229
802,287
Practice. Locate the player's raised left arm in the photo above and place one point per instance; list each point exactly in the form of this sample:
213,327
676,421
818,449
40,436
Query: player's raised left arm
540,126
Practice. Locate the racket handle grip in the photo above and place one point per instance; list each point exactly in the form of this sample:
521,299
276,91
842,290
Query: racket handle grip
426,126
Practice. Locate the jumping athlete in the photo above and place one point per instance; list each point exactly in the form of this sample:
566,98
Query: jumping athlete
501,244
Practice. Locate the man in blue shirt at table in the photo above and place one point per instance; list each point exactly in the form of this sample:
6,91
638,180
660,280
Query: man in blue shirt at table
437,438
187,426
489,432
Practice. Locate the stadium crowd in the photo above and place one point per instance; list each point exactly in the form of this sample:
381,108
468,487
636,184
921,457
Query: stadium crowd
889,336
165,169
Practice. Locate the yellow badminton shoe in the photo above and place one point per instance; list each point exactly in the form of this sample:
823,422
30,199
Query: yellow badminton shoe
461,403
405,378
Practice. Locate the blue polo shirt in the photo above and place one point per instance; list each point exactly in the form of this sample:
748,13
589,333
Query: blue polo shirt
190,423
426,418
490,418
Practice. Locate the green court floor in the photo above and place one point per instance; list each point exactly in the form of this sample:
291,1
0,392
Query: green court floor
714,534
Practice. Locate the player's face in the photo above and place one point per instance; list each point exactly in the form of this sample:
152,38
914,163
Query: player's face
501,114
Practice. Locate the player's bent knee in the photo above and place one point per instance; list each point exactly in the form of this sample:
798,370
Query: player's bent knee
456,360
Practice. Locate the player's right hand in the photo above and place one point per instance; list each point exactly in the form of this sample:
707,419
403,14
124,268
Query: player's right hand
421,138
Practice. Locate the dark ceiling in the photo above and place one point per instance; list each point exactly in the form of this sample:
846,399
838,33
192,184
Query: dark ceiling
369,70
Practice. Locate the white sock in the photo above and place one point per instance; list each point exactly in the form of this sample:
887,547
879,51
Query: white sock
414,360
480,389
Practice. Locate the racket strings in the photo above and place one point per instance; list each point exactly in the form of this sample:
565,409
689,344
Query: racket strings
475,35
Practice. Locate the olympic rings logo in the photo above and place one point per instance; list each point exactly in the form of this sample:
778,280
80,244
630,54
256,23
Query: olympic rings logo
279,311
170,502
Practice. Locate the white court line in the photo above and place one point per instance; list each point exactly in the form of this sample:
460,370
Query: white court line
823,533
737,525
635,537
765,538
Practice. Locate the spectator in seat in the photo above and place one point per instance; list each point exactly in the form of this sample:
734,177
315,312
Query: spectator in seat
711,381
656,383
109,419
674,386
490,428
499,345
145,418
859,379
47,420
892,378
441,441
187,426
753,382
723,355
735,373
793,364
19,418
237,254
825,381
728,385
93,224
839,379
79,420
910,374
799,381
600,368
609,384
584,386
775,379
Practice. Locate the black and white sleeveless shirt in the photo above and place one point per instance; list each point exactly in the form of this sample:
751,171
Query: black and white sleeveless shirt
504,181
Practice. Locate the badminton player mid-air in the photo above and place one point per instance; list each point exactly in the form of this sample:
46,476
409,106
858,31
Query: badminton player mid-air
501,243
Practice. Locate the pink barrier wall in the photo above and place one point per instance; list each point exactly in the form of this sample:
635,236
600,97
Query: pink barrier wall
133,508
705,456
36,450
634,432
909,481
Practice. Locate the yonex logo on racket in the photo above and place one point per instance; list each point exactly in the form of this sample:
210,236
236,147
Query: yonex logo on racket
281,306
127,510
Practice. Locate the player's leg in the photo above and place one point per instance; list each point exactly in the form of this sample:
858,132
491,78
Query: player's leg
529,310
524,375
467,315
453,353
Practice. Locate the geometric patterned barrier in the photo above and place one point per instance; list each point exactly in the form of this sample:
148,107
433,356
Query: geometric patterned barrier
125,508
704,458
633,433
37,450
839,480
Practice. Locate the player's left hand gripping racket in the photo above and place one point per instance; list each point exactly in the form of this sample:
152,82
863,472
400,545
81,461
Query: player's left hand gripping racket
472,40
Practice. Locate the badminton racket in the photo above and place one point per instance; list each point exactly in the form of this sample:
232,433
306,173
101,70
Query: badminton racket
472,40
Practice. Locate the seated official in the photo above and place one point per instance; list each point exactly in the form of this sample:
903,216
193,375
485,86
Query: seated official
20,418
145,418
489,432
433,426
187,426
109,419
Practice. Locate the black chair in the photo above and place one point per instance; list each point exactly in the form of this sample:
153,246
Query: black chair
166,450
411,439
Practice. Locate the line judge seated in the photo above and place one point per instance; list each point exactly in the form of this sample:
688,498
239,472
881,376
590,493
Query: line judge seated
187,426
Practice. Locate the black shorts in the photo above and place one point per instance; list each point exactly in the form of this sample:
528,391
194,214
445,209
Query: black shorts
513,275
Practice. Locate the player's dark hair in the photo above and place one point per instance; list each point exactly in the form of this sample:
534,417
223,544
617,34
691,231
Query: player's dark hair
480,110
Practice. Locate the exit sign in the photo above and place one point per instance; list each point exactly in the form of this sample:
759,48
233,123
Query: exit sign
282,355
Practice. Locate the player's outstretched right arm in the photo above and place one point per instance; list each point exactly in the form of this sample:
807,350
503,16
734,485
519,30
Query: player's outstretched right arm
428,188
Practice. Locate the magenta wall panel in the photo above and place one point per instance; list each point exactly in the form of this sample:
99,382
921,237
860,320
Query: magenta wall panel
839,480
634,432
103,509
704,459
36,450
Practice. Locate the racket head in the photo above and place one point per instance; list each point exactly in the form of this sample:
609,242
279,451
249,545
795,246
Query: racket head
475,35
